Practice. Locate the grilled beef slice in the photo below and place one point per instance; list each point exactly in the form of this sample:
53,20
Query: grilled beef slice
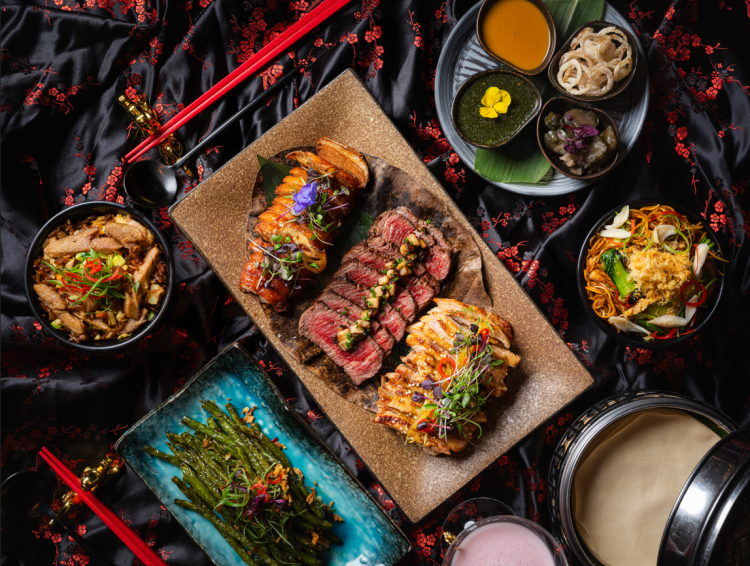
389,250
387,315
423,289
352,311
320,324
405,304
393,226
358,272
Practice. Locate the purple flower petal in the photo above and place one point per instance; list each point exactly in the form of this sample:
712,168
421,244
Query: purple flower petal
305,197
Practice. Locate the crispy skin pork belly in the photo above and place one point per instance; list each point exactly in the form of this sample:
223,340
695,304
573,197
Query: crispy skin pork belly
312,239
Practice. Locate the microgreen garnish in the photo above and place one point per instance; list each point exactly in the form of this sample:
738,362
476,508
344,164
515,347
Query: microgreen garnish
259,505
458,394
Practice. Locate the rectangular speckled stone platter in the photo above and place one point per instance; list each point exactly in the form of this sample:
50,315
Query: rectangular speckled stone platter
548,377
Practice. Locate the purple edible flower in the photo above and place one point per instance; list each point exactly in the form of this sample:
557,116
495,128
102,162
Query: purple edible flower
305,197
580,133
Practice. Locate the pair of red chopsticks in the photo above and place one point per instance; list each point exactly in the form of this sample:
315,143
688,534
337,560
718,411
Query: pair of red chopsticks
118,526
317,16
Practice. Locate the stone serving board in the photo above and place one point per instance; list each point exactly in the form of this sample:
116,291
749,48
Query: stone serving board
548,377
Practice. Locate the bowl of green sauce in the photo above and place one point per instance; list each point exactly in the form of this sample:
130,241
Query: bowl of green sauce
494,131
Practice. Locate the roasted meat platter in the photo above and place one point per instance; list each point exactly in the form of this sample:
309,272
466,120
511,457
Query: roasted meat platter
340,299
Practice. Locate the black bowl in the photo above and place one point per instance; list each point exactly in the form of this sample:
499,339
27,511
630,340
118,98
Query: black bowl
559,105
617,88
79,212
479,75
630,339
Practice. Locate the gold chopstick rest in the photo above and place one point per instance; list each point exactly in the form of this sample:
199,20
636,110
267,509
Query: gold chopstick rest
146,122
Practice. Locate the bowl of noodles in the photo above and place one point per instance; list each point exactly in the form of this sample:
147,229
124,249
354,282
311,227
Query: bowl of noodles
652,274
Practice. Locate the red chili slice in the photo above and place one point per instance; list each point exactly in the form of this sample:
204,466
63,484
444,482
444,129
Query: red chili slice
115,275
617,296
700,288
450,362
273,481
94,265
666,336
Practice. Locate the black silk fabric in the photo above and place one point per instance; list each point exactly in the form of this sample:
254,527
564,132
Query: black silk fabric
65,62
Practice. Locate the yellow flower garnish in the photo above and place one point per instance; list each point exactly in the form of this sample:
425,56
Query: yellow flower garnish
495,102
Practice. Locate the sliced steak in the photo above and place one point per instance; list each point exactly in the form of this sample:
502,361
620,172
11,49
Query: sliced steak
423,289
406,305
320,325
353,312
392,319
420,226
387,315
379,245
439,262
440,253
392,227
358,272
370,257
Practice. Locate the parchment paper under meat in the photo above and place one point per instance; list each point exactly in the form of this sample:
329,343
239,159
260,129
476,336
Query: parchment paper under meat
389,188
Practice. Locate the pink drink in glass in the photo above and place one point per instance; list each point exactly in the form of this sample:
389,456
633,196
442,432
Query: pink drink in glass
502,544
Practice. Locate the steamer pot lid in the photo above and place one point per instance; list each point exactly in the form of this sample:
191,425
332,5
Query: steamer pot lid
710,522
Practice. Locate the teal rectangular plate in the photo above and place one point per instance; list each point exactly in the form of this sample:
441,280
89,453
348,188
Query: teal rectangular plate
371,538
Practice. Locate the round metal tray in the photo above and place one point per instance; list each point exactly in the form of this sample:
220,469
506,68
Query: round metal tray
462,56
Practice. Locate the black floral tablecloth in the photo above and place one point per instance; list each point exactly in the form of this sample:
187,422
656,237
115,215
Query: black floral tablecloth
63,63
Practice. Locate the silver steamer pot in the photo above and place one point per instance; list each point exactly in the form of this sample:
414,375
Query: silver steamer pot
574,442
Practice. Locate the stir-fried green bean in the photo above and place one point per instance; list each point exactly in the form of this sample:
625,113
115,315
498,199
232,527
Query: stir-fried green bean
243,483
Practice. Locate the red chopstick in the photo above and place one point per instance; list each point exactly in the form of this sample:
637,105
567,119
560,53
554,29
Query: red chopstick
118,526
321,13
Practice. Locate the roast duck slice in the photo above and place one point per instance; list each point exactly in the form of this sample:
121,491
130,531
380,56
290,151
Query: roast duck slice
346,173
